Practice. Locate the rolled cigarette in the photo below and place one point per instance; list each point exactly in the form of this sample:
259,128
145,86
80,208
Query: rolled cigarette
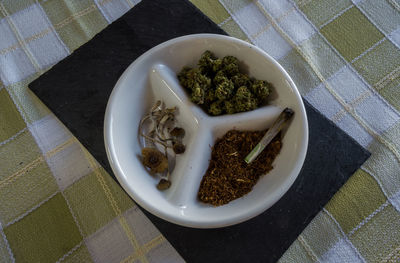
279,123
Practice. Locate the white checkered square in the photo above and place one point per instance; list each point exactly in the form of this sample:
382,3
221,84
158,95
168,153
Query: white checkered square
30,21
342,251
14,64
109,244
324,101
68,165
395,36
353,128
348,85
49,133
395,200
272,43
112,10
377,113
6,255
251,19
277,9
40,36
7,38
143,229
47,50
69,162
297,27
382,14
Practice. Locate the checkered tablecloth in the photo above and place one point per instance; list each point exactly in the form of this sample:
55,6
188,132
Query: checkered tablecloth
58,204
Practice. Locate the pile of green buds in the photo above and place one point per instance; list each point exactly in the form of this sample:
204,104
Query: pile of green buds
220,88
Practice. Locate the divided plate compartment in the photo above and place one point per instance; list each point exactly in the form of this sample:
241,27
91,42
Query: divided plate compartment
202,130
179,203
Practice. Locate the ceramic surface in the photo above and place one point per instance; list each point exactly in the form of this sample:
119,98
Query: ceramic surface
153,77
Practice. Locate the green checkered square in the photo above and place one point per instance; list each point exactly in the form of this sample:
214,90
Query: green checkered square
300,71
10,119
234,6
391,93
25,189
296,253
351,33
12,7
75,21
393,135
79,255
379,237
321,11
383,162
214,10
33,109
234,30
322,56
378,62
91,201
361,195
124,202
44,235
17,154
321,234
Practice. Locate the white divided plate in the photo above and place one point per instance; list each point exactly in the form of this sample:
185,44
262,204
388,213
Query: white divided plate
152,77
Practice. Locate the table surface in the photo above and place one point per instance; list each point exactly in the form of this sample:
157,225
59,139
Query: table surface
344,56
81,96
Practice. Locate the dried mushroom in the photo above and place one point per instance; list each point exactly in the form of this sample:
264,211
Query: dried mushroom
177,132
163,184
160,135
154,159
179,148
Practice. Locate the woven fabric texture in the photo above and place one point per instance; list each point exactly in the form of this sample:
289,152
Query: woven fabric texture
58,204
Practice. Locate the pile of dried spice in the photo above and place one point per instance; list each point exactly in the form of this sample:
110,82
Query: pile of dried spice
157,129
228,176
218,86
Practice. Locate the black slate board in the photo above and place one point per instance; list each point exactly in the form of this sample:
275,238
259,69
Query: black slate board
77,90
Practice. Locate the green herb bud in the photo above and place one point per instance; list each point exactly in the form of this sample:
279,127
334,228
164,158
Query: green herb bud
206,62
210,96
224,90
241,79
230,65
216,108
231,69
220,77
243,93
245,104
229,107
217,65
261,89
230,60
182,76
192,79
197,95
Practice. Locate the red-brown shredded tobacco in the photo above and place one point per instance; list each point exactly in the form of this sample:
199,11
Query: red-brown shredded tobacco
228,176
